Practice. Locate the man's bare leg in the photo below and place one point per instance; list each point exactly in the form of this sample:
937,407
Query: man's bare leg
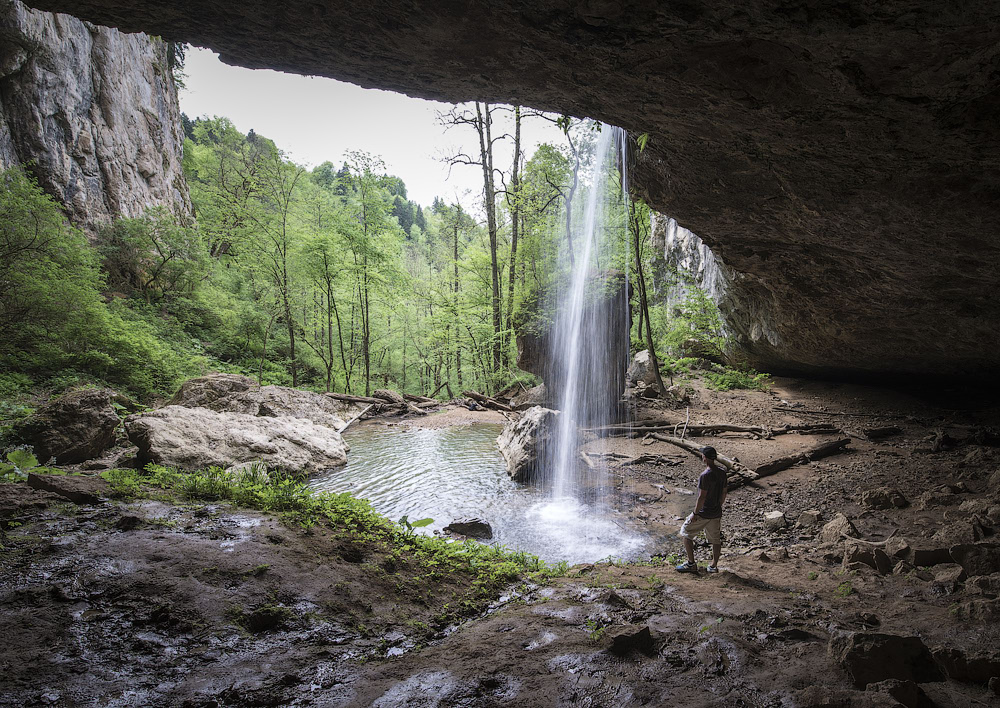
716,554
689,547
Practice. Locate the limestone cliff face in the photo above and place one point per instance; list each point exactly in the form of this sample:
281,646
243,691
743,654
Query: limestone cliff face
94,110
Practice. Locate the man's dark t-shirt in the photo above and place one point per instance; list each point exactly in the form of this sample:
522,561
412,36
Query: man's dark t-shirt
713,481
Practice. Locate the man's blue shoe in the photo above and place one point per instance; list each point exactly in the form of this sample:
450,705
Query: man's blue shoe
688,567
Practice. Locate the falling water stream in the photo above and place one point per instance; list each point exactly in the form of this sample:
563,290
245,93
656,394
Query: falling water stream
457,473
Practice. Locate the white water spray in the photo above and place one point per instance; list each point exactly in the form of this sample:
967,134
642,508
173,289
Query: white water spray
588,356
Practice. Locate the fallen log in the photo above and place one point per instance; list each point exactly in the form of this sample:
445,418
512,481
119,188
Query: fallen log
742,472
350,398
650,460
812,412
346,425
487,401
826,449
880,433
420,399
428,404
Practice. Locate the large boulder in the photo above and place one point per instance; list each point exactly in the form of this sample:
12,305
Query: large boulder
76,427
231,393
641,370
525,442
977,558
534,396
870,657
194,438
473,528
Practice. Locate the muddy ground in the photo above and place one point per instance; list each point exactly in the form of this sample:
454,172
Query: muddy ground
111,603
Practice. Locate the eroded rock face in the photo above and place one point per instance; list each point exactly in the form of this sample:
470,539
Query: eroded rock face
94,110
840,160
232,393
194,438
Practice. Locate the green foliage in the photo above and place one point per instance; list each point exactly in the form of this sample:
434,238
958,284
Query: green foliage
845,589
20,461
730,379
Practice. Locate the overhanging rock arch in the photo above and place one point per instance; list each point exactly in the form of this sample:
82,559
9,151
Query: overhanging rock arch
840,158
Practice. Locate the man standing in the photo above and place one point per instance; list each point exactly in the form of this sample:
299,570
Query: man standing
707,516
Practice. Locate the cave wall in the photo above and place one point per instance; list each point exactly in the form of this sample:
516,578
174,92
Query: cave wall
841,158
94,111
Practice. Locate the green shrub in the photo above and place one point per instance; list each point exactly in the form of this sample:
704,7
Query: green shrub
730,379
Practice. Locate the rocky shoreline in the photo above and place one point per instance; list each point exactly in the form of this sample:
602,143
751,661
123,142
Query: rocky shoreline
163,600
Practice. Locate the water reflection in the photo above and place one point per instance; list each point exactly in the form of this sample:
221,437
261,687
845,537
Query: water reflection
457,473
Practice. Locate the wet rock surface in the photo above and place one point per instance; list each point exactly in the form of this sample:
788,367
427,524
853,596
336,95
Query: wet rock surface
524,442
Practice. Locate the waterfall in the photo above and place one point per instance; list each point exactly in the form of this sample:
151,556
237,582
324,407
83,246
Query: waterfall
588,355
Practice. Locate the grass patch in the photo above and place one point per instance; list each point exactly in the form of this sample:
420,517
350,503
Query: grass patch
730,379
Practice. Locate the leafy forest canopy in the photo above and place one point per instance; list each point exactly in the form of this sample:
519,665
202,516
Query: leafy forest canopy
327,278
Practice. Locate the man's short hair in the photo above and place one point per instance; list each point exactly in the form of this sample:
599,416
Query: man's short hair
709,452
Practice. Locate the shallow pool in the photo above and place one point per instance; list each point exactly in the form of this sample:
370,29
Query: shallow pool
457,473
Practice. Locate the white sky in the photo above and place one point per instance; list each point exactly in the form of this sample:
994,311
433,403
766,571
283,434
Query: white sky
315,119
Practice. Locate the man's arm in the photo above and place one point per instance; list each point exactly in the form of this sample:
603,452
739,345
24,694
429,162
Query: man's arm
698,505
722,497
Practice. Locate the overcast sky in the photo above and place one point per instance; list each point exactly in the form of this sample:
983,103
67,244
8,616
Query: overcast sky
314,119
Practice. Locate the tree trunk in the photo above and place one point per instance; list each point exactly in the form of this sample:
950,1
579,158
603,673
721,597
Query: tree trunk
486,151
515,210
640,276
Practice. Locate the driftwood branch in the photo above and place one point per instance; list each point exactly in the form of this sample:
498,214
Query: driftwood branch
346,425
487,401
350,398
741,472
825,449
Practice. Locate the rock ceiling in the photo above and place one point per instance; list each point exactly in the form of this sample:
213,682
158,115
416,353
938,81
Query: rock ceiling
840,158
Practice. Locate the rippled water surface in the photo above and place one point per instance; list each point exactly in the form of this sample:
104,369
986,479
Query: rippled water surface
457,473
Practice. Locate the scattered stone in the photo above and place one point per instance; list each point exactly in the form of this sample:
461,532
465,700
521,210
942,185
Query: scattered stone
902,568
195,438
524,441
898,548
977,558
856,554
949,573
978,610
128,522
883,498
75,427
907,693
808,518
473,528
761,556
828,697
835,529
202,391
987,585
928,556
77,488
976,668
870,657
629,638
774,520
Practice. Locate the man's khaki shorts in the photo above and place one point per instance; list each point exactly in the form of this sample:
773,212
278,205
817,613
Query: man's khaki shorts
711,527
